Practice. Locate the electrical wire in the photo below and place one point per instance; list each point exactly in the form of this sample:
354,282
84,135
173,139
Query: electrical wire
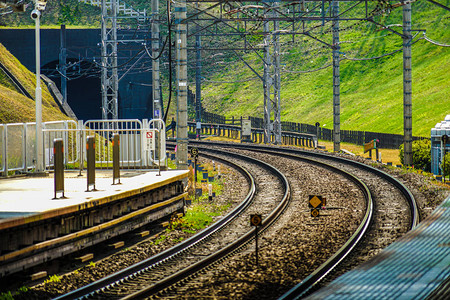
170,61
353,59
160,53
434,42
236,81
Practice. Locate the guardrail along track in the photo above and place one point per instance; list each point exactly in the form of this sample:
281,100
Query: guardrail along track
129,279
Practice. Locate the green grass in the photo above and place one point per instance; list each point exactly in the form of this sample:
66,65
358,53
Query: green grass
69,12
201,212
371,91
15,107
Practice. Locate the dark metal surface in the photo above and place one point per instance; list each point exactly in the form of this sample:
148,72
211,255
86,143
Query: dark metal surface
90,149
58,161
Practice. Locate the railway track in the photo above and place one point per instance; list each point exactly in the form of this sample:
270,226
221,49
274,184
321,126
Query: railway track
130,281
196,272
188,255
396,213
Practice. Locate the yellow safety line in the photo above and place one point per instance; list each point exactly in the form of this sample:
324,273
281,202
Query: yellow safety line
91,230
91,203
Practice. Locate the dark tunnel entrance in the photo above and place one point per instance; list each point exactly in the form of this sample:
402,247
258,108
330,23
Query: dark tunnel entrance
83,87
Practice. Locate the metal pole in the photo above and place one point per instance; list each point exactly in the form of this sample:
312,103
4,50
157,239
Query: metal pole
198,73
157,108
277,78
110,78
267,82
407,87
336,80
181,73
271,78
38,98
62,62
256,246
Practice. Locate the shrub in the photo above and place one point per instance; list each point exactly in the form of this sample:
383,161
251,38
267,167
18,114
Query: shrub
421,154
446,164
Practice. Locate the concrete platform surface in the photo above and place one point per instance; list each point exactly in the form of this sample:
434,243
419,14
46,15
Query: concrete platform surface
24,196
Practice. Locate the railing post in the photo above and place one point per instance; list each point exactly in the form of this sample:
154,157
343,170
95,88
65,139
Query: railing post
80,143
5,150
66,142
58,162
116,158
24,147
90,148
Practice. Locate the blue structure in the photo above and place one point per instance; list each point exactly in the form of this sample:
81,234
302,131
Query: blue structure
437,146
84,90
416,266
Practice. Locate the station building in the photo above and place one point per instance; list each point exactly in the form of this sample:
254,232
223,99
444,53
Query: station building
437,144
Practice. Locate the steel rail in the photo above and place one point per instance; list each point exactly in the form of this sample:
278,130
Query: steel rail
414,211
308,283
303,287
230,249
314,278
119,277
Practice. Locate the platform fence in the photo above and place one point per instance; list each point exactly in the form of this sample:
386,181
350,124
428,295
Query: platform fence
141,144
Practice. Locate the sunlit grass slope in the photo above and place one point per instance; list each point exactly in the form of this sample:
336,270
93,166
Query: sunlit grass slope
15,107
371,90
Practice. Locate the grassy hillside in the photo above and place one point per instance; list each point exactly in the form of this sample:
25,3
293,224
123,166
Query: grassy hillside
371,91
69,12
15,107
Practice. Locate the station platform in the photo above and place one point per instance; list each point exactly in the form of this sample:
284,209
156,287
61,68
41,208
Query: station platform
28,196
417,266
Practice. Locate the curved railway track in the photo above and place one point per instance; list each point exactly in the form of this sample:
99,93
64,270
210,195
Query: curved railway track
127,282
187,254
180,271
391,219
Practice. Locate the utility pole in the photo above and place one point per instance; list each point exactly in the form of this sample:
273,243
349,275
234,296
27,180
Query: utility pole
181,82
110,79
198,74
407,87
271,77
336,79
36,15
157,107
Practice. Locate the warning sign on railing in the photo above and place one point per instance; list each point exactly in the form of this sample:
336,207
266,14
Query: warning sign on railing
149,139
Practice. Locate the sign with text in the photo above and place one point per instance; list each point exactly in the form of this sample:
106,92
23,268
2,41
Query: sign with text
194,152
149,139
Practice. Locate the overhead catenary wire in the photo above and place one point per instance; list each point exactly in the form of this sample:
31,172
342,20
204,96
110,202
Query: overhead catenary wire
434,42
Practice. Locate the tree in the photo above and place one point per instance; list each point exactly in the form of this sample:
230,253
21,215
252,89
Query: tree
421,154
69,15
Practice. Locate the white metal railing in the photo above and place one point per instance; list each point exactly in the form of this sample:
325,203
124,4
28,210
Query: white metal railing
137,149
130,141
121,7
